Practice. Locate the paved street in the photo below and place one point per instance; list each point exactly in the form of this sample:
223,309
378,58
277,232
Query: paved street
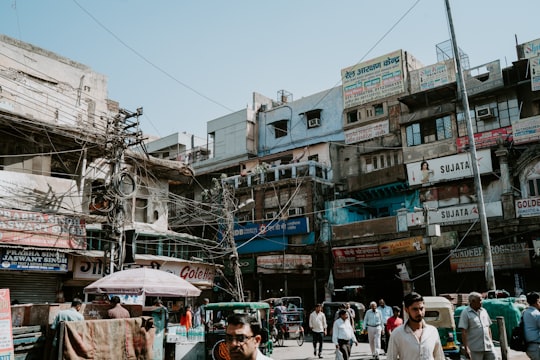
291,351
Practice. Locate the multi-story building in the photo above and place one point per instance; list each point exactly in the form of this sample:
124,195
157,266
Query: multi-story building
76,201
389,159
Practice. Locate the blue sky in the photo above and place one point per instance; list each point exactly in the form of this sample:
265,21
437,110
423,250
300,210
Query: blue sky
189,62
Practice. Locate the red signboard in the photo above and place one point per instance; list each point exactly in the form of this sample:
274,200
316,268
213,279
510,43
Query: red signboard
484,139
37,229
6,339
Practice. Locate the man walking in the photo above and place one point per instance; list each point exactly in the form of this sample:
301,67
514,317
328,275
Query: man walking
415,339
343,333
531,322
386,313
374,324
475,323
317,323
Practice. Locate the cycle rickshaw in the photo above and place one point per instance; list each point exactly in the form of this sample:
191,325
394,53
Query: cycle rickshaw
217,313
288,324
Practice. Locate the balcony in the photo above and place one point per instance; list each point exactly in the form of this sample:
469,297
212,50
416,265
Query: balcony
267,175
376,178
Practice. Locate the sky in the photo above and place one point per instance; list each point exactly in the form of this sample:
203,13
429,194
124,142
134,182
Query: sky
189,62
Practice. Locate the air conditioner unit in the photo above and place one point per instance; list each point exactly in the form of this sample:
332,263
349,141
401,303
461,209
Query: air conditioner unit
483,112
315,122
270,215
296,211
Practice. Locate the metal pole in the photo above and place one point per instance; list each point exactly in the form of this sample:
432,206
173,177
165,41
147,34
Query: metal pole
490,276
427,241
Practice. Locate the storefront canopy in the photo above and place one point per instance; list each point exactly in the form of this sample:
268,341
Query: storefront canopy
143,281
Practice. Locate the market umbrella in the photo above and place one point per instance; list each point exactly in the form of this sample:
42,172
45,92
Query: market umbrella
149,282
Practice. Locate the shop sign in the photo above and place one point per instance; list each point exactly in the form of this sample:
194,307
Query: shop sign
403,247
528,207
506,256
42,260
354,254
367,132
484,139
38,229
287,263
455,214
198,274
349,271
247,266
374,79
433,76
535,71
448,168
526,130
271,228
6,334
529,49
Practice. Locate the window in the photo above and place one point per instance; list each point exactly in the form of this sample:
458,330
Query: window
141,212
534,187
429,131
280,128
378,109
352,117
313,118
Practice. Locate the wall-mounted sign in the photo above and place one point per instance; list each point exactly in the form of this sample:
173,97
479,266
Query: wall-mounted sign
484,139
38,229
6,334
526,130
349,271
354,254
349,255
199,274
271,228
528,207
432,76
403,247
529,49
454,214
367,132
448,168
40,260
505,256
374,79
535,73
287,263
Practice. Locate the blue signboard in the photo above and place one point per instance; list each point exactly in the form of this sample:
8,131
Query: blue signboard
22,259
271,228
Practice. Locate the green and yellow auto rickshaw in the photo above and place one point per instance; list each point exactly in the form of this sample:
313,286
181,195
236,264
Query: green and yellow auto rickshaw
217,314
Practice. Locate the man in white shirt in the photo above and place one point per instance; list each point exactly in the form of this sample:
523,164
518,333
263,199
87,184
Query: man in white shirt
415,339
317,323
475,323
343,333
373,323
386,313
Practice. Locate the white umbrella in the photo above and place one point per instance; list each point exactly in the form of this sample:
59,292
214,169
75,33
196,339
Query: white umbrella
149,282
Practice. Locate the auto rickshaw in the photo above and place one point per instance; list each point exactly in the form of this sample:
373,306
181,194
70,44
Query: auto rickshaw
217,314
440,313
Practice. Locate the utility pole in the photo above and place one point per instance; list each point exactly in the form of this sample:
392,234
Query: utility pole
490,275
122,133
430,232
228,211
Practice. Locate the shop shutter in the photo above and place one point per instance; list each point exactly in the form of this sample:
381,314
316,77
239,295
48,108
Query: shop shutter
34,288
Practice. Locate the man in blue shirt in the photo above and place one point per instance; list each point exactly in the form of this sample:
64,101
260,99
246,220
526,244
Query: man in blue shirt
531,322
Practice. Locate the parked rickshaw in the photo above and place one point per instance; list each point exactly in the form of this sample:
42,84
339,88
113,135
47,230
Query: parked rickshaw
292,320
440,313
217,313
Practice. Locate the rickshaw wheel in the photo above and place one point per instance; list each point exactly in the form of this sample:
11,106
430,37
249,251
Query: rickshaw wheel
300,338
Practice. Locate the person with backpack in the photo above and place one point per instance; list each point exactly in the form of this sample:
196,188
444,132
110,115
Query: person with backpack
531,323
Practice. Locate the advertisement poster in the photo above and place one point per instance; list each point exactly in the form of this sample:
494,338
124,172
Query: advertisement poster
6,337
